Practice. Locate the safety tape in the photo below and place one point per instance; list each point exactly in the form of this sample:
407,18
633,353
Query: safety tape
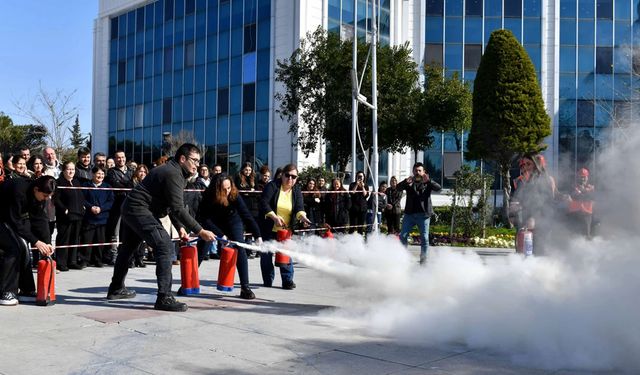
242,192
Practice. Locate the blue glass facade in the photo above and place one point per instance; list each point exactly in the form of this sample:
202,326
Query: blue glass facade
341,14
596,68
597,83
198,66
456,33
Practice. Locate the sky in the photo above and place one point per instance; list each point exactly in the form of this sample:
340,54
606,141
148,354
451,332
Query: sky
48,42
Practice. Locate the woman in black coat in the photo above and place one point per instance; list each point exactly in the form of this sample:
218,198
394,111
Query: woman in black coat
281,204
69,205
336,206
223,211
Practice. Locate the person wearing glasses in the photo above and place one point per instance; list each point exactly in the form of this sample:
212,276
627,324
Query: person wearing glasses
22,221
161,193
281,204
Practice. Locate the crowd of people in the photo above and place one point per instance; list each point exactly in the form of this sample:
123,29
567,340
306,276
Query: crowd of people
94,203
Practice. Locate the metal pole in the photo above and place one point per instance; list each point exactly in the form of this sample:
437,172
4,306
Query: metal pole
354,92
374,120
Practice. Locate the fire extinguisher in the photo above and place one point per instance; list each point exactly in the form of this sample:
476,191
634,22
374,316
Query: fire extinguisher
282,260
227,270
190,278
46,292
524,242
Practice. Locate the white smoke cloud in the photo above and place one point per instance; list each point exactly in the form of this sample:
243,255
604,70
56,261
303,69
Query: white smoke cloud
577,308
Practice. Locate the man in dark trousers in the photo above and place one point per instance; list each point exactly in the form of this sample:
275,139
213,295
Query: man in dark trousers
159,194
23,223
418,209
120,177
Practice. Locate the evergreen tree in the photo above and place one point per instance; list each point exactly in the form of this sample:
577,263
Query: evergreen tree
509,117
77,140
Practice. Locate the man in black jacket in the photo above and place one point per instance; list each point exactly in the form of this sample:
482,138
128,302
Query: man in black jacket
22,222
119,177
418,209
159,194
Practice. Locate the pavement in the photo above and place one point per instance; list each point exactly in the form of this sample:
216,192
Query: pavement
280,332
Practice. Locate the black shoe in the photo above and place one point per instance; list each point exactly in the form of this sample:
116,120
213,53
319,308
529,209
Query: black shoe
122,293
206,257
288,285
63,268
75,266
246,293
98,264
180,292
168,303
140,263
267,285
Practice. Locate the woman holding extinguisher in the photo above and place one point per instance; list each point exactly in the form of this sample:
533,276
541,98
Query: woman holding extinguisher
281,204
224,212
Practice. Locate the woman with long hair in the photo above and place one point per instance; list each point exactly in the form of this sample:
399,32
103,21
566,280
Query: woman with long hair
534,199
336,206
36,166
224,212
281,204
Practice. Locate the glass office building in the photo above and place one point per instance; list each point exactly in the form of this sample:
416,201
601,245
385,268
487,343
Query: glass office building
200,67
594,88
206,67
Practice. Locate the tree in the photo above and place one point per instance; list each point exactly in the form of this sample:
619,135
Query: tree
52,111
77,140
443,105
509,117
9,134
317,94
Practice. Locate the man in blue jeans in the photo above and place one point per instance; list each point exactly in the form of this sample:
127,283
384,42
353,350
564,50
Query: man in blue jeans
418,208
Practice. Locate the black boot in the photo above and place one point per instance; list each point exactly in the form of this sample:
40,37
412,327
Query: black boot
246,293
167,302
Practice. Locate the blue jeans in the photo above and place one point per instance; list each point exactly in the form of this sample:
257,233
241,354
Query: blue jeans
421,220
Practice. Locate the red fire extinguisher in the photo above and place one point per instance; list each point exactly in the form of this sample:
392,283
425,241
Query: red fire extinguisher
282,260
227,270
190,278
327,234
524,242
46,292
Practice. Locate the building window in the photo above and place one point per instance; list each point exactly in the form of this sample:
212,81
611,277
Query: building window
114,28
473,8
250,38
189,54
472,55
190,6
168,10
140,19
249,68
585,113
604,9
122,117
249,97
167,105
122,71
223,101
435,7
168,59
138,116
604,60
433,54
139,66
513,8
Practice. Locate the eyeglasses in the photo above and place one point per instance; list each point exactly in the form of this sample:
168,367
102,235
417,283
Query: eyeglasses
195,161
291,176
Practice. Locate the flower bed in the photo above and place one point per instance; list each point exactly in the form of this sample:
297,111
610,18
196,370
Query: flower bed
444,239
